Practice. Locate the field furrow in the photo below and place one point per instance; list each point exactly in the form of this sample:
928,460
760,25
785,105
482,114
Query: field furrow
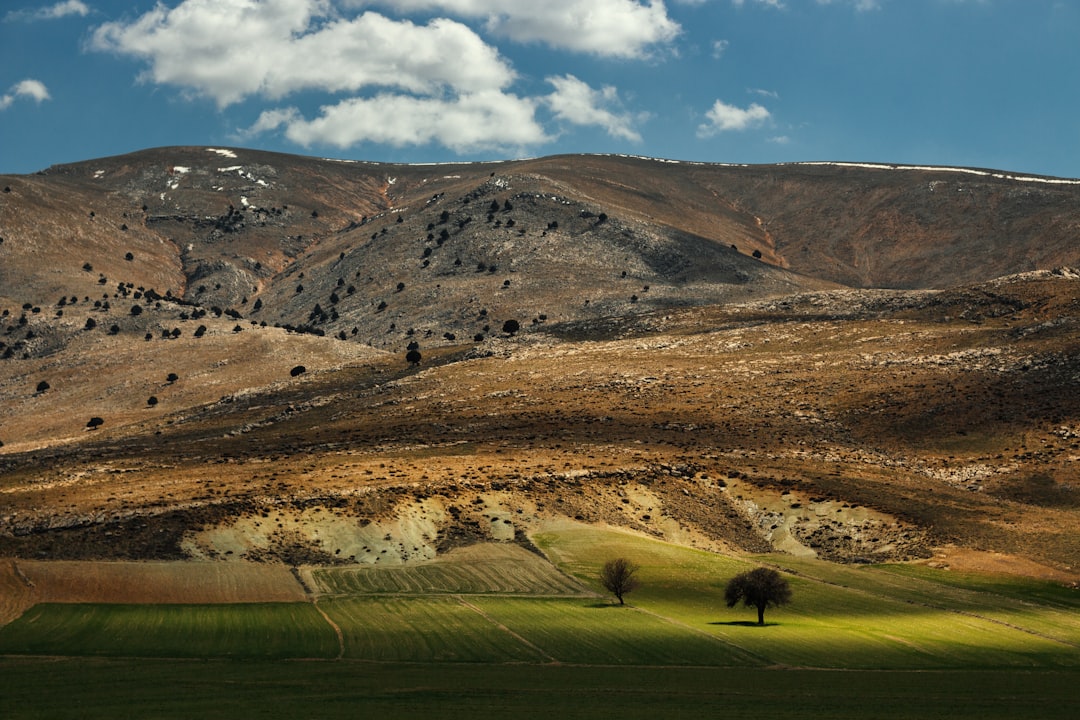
392,629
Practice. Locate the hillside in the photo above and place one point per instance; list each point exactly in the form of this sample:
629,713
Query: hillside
858,363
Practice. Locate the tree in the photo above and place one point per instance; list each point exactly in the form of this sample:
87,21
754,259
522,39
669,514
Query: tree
42,386
617,577
760,588
413,357
511,326
94,423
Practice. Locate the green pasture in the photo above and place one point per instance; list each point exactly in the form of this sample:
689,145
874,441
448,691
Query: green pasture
507,609
410,629
842,616
106,689
272,630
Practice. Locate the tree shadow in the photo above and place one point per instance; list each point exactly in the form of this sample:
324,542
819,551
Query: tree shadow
743,623
606,605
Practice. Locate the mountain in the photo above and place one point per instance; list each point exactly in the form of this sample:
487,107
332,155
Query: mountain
856,361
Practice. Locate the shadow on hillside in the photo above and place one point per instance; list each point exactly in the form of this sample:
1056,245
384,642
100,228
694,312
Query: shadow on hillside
743,623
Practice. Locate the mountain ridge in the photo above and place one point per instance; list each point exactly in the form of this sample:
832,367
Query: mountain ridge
588,330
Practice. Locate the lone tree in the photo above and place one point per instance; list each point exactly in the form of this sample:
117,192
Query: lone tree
617,577
760,588
413,357
510,327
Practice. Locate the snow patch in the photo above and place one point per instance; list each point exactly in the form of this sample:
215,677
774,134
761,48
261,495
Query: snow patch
231,168
180,169
99,174
965,171
244,201
223,153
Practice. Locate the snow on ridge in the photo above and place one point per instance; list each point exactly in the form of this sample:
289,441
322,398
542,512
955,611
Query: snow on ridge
231,168
181,169
222,152
932,168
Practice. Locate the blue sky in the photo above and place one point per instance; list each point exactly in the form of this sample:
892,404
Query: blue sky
980,83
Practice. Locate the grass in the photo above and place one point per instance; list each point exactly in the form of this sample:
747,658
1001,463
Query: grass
843,617
92,689
892,642
270,630
500,570
435,629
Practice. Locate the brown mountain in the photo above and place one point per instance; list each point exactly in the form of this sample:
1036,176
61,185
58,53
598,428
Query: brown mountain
818,358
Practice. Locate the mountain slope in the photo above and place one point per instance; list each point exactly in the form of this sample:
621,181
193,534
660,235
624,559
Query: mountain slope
238,323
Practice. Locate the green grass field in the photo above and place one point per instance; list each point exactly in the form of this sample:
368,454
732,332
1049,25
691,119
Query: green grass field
271,630
511,634
106,689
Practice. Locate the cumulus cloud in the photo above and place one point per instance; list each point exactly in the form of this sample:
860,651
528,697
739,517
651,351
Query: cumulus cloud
397,82
29,88
860,5
723,118
231,49
51,12
574,101
613,28
486,120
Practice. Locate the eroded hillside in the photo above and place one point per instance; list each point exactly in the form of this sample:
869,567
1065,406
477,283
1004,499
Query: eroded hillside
238,387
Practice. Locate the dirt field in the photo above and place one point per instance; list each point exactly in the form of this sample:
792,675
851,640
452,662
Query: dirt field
16,594
154,582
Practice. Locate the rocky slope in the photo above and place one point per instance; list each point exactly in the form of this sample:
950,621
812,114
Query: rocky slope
204,355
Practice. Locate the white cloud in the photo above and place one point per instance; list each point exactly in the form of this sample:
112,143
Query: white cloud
771,3
860,5
719,47
615,28
764,93
723,117
396,82
486,120
576,102
29,88
231,49
51,12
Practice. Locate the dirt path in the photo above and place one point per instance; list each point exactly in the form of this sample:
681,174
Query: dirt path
337,629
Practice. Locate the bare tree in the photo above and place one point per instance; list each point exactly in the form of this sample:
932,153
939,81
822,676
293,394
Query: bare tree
617,577
760,588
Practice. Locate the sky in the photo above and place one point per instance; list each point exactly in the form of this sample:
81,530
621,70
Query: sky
962,83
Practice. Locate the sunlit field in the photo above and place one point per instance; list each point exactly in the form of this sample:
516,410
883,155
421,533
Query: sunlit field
892,641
